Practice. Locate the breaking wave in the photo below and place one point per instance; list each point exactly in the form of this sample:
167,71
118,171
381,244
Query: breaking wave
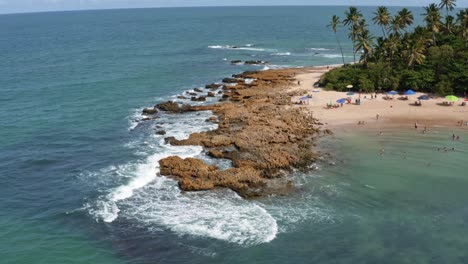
318,49
242,47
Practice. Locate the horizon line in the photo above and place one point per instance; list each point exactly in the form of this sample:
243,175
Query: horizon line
176,7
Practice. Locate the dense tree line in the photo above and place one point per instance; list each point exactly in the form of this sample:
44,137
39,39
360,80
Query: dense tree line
430,58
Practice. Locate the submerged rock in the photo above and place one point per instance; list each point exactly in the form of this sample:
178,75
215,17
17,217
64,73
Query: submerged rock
160,132
198,99
213,86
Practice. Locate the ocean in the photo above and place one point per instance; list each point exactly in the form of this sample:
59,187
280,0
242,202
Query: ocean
78,165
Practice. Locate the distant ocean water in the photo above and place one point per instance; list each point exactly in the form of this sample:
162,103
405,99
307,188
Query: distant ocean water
78,169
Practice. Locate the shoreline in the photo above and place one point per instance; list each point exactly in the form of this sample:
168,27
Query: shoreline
266,136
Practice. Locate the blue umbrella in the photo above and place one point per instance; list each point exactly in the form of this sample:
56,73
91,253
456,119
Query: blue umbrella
410,92
350,93
423,97
392,92
341,101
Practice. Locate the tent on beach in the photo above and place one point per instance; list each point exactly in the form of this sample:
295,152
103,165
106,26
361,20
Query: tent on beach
410,92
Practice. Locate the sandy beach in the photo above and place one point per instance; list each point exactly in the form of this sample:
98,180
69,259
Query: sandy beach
395,112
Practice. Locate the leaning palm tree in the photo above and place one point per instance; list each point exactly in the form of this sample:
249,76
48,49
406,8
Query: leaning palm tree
448,5
432,18
334,25
365,44
406,18
382,18
415,52
353,15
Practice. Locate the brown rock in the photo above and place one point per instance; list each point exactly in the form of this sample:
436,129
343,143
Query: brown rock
211,94
215,153
198,90
150,111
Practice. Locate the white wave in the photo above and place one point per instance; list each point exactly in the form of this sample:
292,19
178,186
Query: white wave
330,56
141,174
222,215
319,49
219,47
134,119
249,45
282,54
229,47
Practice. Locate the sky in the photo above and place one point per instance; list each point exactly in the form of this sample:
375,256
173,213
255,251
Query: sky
24,6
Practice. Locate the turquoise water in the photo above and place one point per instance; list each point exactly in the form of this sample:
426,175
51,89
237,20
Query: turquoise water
78,169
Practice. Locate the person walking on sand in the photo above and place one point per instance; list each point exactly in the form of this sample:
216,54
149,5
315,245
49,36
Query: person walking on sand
416,125
377,116
453,137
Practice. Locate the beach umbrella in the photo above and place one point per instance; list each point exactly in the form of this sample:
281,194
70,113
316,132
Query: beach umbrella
349,86
423,97
392,92
349,93
451,98
315,90
410,92
341,101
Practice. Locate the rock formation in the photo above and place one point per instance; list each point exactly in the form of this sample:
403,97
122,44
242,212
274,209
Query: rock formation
259,130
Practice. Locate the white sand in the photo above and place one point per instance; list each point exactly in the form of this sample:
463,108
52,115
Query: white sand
391,112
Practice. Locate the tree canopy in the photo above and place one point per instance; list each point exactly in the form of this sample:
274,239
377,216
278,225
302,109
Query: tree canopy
431,58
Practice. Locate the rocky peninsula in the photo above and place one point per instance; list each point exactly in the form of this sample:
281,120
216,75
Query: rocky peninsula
259,130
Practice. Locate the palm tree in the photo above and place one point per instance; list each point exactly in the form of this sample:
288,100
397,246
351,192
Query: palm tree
448,5
353,15
396,25
392,45
433,20
382,18
365,43
448,26
462,18
415,52
406,18
334,25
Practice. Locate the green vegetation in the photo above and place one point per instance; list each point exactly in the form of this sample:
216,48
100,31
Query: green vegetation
430,58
